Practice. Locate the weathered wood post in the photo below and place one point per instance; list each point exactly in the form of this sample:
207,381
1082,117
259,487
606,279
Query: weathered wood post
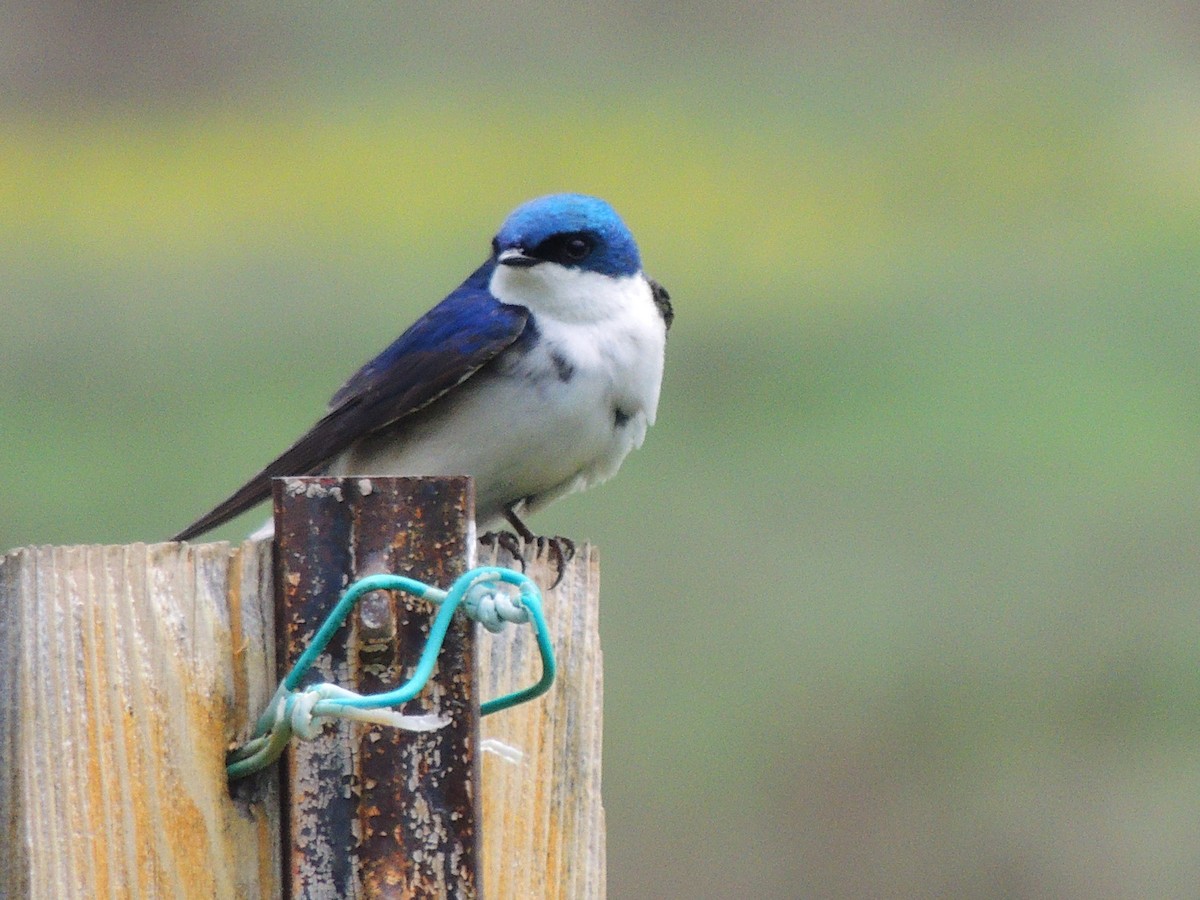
127,672
543,814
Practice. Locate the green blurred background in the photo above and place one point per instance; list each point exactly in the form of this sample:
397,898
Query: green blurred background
900,595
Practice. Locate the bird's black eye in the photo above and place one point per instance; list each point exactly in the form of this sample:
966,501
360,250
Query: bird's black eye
576,248
566,249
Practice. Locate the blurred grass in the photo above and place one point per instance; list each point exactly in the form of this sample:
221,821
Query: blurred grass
915,536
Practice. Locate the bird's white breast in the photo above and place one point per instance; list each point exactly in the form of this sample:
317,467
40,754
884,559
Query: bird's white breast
553,414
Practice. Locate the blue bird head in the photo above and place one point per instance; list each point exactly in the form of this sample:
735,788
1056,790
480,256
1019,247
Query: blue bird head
572,230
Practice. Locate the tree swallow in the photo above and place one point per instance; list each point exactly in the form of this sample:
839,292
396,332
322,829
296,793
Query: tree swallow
537,375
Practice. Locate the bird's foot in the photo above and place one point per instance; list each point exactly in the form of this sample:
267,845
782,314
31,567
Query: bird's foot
559,549
506,541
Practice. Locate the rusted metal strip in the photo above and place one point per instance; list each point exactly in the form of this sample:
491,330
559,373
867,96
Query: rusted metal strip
372,811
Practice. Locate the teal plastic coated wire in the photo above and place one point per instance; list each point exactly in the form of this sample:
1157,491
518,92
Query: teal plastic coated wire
302,712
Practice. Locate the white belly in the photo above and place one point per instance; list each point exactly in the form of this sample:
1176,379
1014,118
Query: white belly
535,425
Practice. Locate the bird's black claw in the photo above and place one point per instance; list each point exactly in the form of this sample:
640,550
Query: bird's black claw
560,549
506,541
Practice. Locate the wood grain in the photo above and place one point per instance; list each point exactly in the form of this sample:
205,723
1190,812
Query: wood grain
125,673
543,816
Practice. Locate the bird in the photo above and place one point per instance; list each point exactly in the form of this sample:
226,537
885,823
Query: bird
536,376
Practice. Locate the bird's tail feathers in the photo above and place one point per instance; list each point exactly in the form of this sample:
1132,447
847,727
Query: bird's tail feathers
250,494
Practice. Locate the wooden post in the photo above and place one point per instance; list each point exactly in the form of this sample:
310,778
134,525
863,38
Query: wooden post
375,811
125,672
543,815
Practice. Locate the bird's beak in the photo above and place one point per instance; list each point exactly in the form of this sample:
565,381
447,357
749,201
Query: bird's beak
517,259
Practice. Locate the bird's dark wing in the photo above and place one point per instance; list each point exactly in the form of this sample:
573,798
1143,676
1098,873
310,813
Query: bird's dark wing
441,350
663,301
